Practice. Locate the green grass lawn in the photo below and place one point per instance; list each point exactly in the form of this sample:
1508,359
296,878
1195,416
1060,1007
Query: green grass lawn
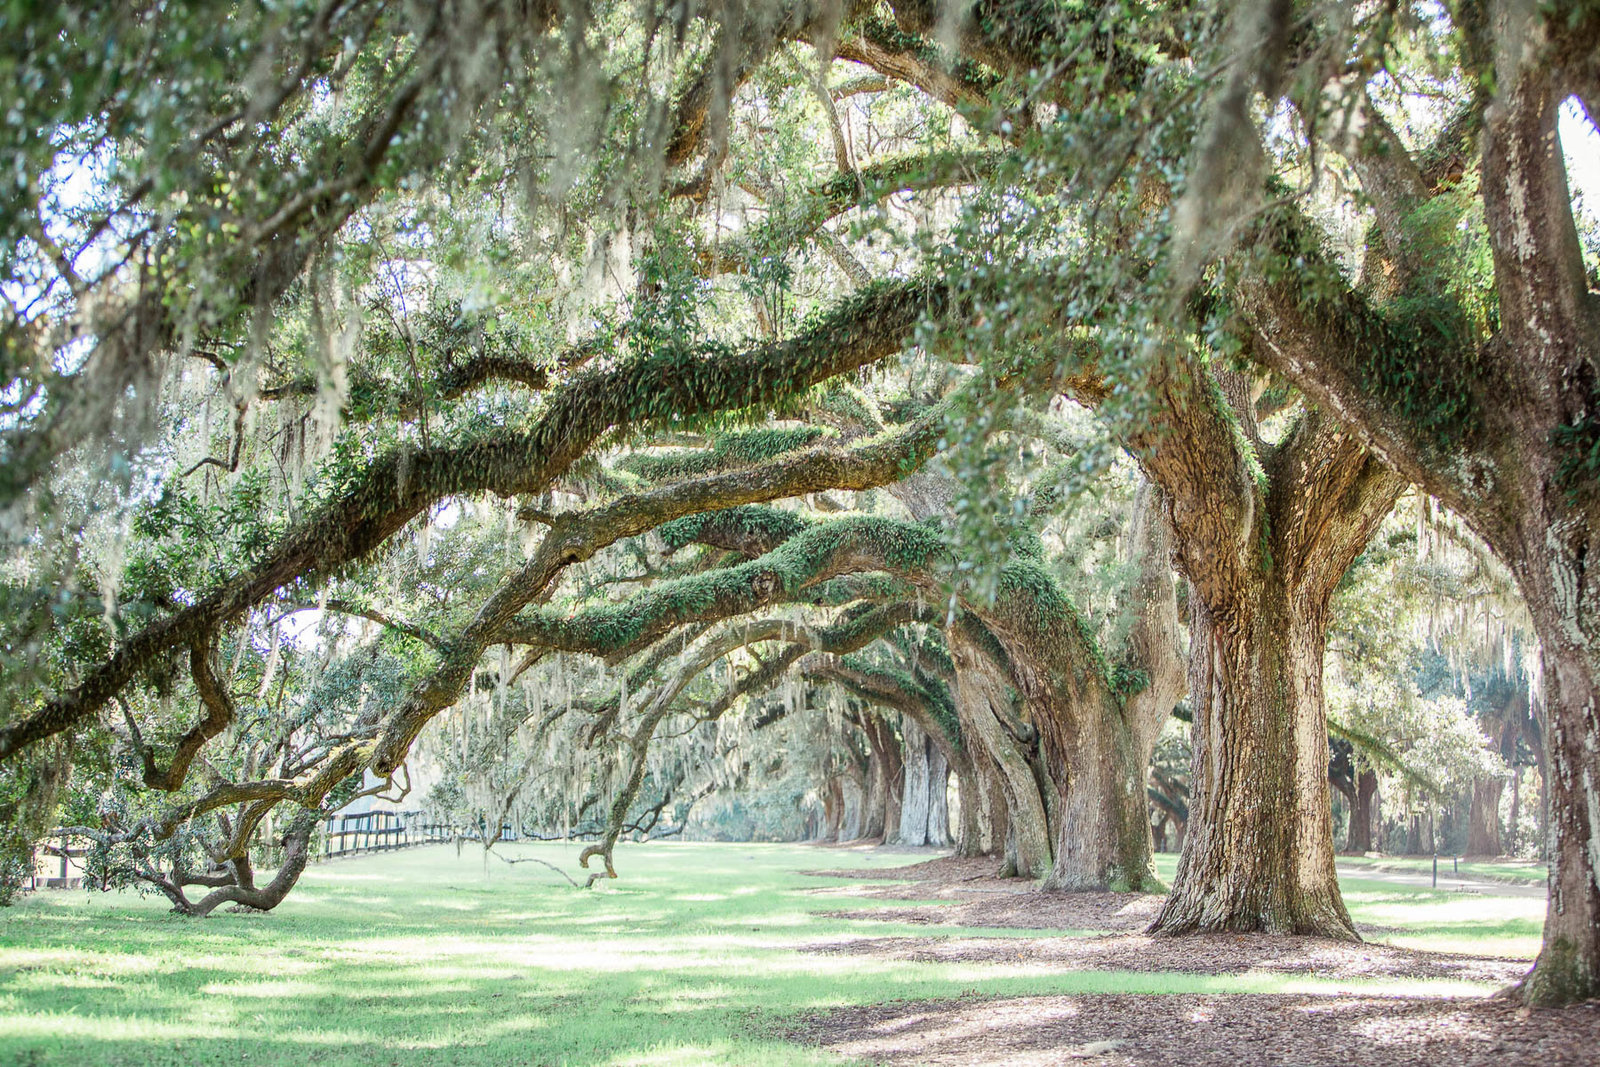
1433,920
423,957
1523,872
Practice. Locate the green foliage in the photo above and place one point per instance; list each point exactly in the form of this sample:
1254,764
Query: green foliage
1579,470
726,451
1128,680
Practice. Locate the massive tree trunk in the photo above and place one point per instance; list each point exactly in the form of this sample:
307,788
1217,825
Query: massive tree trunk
1568,968
996,816
832,809
893,782
981,704
854,788
1104,840
1483,817
1259,854
1096,742
1359,839
874,803
1263,553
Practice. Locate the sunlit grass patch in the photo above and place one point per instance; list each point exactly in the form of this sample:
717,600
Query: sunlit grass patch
1440,921
1519,872
425,957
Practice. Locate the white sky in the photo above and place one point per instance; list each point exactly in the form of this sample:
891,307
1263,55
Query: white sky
1582,145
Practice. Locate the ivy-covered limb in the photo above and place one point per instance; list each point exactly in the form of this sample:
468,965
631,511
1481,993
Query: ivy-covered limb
659,388
751,530
577,537
823,551
726,452
1410,371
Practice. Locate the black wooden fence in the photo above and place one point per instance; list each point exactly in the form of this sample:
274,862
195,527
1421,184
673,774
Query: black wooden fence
380,831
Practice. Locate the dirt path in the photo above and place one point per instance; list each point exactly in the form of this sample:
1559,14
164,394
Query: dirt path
1125,1030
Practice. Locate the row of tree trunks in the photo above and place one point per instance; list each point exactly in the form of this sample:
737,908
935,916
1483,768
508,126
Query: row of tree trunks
1058,758
842,808
900,795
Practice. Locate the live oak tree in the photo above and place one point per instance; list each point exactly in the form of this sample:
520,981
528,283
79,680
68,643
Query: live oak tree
1489,410
425,257
1472,376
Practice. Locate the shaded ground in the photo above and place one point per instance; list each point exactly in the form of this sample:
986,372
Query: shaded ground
1189,1030
1121,1030
1214,954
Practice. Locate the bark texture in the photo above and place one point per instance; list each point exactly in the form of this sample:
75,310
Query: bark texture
1502,428
1018,818
1263,554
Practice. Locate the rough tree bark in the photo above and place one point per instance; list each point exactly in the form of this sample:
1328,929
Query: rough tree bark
1263,550
1502,428
1018,820
1096,741
938,799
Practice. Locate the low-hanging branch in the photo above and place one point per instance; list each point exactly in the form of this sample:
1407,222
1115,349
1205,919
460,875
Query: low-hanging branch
394,489
219,714
575,537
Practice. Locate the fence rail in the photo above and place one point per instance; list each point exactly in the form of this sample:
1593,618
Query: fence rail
60,863
382,831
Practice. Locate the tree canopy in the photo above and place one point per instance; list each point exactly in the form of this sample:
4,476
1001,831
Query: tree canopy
572,399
